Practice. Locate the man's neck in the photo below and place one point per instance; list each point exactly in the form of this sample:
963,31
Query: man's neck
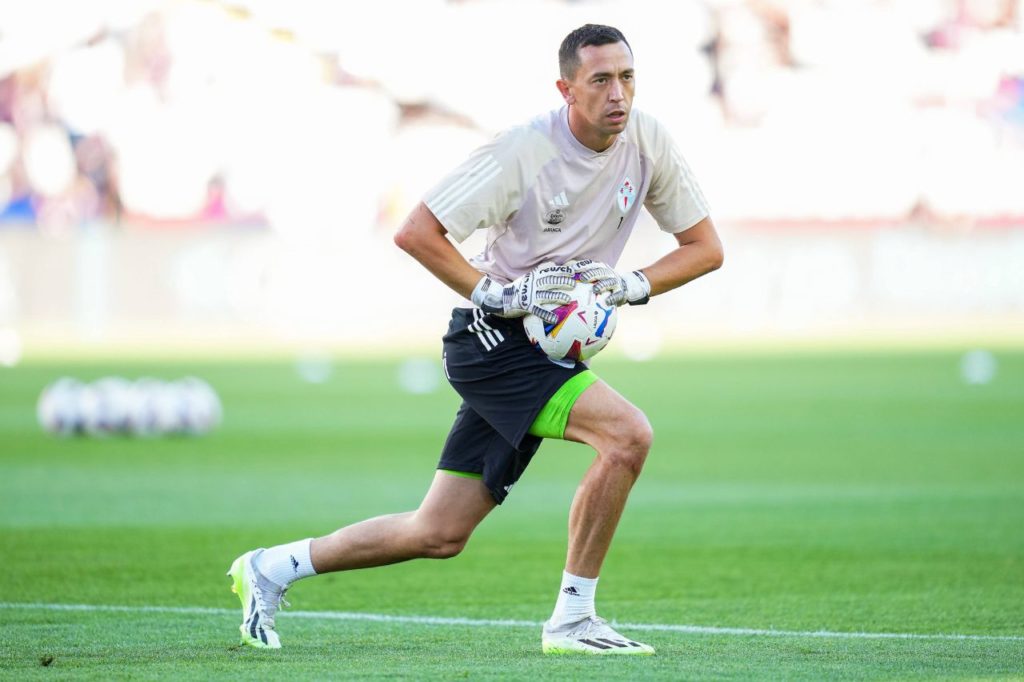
598,143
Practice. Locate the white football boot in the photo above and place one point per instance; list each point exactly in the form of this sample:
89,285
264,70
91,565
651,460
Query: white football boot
591,635
260,599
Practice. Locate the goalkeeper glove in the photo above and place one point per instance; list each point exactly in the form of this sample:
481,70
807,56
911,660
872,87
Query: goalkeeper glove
624,287
547,283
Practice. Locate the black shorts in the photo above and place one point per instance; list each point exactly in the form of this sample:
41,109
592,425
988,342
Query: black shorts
504,383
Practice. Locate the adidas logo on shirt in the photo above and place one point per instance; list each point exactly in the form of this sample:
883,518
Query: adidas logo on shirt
560,200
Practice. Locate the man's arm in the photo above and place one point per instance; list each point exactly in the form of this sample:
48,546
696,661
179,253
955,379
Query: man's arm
424,238
699,252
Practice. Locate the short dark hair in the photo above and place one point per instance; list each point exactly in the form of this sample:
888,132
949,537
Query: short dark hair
588,34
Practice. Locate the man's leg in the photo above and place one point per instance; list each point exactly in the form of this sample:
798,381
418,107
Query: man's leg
438,529
621,435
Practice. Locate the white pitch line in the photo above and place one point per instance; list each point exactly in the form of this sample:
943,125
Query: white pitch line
478,622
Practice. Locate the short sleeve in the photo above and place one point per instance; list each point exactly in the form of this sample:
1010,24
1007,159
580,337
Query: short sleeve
675,199
485,190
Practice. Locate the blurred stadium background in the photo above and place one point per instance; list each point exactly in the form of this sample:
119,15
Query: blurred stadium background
228,175
210,189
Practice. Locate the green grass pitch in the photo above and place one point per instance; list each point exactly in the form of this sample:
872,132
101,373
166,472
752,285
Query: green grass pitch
814,493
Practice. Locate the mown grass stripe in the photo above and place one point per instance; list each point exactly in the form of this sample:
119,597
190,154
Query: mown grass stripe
480,622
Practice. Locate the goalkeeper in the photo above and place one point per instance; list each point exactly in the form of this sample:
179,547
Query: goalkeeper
564,189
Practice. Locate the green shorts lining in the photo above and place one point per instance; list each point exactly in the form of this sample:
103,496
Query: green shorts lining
553,417
463,474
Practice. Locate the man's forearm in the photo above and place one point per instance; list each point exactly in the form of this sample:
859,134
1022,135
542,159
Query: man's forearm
699,252
682,265
424,238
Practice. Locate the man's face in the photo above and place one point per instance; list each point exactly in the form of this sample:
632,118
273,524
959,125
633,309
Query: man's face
600,94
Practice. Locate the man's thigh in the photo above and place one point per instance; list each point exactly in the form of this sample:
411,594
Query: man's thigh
600,414
455,504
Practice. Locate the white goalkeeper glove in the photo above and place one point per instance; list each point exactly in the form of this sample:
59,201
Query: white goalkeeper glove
623,287
547,283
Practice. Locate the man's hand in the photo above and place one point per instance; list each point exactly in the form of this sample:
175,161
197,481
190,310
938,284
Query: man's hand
548,283
589,270
623,287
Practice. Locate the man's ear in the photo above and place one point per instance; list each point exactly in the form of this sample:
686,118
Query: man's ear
566,90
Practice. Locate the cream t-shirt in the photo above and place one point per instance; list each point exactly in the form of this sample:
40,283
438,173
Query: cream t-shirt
543,196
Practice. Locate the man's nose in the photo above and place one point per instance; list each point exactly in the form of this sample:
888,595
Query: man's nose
615,92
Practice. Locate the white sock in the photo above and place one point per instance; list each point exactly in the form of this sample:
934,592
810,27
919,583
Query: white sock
285,564
575,600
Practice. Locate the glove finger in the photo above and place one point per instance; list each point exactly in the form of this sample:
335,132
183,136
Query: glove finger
608,284
583,264
551,296
515,312
617,298
546,315
595,273
555,282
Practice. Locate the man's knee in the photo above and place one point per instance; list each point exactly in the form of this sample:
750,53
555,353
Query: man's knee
442,547
453,507
440,543
629,441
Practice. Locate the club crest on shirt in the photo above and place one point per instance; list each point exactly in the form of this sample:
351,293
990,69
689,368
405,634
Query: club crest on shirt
554,216
626,195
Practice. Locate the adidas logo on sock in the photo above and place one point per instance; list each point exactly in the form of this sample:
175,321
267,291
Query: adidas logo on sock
571,591
295,563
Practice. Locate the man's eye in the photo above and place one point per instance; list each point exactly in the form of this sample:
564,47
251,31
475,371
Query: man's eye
600,81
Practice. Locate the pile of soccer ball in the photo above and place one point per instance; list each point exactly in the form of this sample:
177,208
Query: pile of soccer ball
584,326
117,406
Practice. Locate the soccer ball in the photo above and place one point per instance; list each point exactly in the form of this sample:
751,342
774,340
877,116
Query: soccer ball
203,410
91,410
169,408
585,326
141,418
57,409
114,395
